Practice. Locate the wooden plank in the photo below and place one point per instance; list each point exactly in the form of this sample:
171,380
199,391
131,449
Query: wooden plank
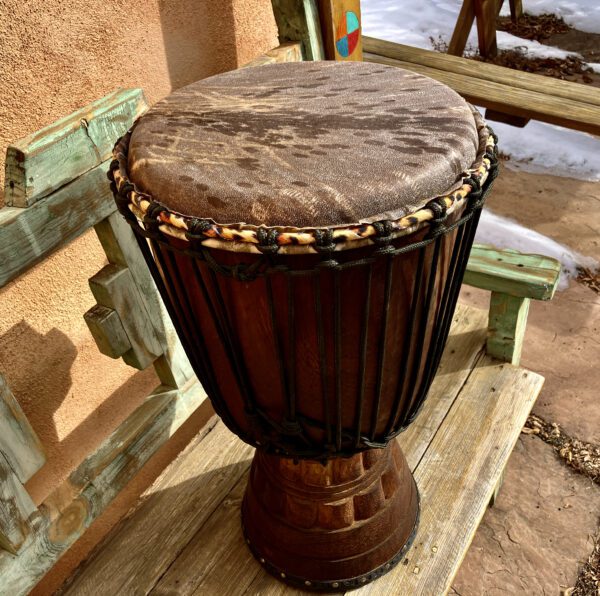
506,330
107,330
298,20
458,473
16,507
464,24
485,13
512,100
511,272
471,69
27,236
341,27
216,556
19,444
114,288
287,52
48,159
79,500
117,238
173,510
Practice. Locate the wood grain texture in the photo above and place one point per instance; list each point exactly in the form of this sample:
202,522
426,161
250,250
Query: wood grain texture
286,52
177,505
511,272
69,510
485,13
298,20
458,474
506,328
516,10
332,13
27,236
107,330
16,507
52,157
483,71
118,241
114,288
19,444
464,23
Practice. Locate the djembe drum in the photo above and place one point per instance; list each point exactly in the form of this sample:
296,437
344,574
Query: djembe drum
308,226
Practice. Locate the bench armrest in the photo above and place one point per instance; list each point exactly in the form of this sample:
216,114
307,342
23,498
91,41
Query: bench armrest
514,279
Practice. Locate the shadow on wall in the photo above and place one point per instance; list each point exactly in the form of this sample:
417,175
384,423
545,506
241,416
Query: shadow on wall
42,380
199,37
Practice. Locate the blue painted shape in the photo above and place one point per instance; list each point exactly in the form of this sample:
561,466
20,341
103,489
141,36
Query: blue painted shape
342,46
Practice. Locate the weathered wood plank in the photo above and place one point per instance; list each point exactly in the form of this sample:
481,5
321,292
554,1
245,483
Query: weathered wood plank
485,13
16,507
78,501
458,473
511,272
287,52
340,43
107,330
512,100
19,443
471,69
506,330
29,235
463,27
298,20
114,288
173,510
44,161
172,367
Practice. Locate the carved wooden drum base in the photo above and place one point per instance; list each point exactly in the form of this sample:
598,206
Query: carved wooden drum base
333,526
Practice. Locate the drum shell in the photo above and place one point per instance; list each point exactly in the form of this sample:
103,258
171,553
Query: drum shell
318,359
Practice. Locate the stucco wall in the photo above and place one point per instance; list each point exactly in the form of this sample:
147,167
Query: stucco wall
56,56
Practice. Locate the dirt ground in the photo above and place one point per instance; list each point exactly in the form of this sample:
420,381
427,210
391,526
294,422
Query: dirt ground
540,531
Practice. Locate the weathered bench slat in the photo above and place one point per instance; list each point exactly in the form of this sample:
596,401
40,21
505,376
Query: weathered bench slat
29,235
511,272
484,71
78,501
511,100
53,156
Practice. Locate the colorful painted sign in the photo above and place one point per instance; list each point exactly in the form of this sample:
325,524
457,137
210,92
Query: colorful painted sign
348,33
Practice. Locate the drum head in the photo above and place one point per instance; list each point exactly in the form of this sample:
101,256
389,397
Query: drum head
305,145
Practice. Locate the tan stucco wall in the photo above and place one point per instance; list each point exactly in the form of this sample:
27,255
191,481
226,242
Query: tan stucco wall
55,57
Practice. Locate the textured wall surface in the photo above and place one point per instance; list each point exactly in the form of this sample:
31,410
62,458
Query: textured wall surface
57,56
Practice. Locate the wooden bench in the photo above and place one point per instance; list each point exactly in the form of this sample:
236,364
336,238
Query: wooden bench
503,91
185,537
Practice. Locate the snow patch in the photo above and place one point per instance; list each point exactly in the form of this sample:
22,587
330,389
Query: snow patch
502,232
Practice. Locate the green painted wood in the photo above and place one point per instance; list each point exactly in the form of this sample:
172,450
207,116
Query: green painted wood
107,330
16,508
506,327
114,288
19,443
48,159
298,20
511,272
72,507
27,236
117,238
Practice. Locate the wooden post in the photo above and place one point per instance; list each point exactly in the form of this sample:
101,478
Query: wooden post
298,20
506,331
516,10
486,12
342,29
465,20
